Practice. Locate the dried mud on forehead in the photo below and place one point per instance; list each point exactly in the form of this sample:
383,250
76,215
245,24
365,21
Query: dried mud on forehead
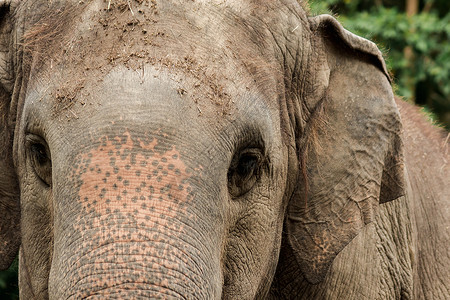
132,34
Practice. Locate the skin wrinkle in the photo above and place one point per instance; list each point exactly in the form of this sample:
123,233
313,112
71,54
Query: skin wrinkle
128,288
240,256
129,292
194,262
396,274
187,225
114,264
159,292
27,274
133,262
118,242
136,282
98,249
6,64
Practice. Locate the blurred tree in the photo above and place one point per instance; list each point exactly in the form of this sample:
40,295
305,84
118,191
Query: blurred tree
415,35
8,283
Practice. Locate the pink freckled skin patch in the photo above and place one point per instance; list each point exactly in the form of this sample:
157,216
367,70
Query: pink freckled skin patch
122,175
130,228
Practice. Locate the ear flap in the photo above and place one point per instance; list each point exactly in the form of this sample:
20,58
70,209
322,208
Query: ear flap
354,162
9,191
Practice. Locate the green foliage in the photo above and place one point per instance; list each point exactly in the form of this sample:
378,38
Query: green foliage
417,47
8,283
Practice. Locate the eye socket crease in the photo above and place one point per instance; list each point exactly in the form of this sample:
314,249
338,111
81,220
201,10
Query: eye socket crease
39,158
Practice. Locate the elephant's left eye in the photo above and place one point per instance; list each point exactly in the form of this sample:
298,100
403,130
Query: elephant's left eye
244,171
40,160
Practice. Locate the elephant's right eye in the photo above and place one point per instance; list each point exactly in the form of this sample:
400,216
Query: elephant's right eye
40,159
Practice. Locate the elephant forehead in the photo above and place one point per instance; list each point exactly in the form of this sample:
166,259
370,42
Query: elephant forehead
186,40
124,174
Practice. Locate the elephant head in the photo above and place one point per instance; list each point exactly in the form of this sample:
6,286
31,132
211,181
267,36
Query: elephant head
176,148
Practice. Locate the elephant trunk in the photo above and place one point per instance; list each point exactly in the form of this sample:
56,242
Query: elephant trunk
122,262
133,227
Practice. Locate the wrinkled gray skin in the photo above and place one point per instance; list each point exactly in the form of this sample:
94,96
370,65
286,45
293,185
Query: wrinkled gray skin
211,149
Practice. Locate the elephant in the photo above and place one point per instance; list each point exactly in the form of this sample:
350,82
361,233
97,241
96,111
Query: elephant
231,149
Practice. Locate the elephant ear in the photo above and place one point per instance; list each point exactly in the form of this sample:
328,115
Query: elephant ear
350,150
9,191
